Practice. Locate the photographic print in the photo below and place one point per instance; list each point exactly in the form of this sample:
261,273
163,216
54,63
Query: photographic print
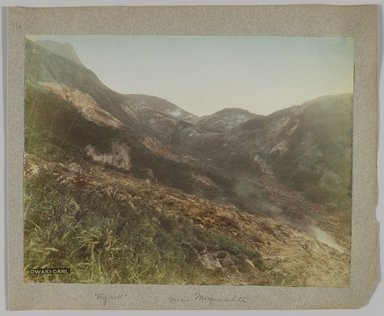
192,160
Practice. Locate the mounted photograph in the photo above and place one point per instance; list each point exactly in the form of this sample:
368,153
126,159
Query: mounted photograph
188,160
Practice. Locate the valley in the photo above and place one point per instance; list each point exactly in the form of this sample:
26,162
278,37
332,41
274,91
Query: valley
134,189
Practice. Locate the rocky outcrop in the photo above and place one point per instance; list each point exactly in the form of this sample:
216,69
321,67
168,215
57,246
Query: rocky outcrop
119,157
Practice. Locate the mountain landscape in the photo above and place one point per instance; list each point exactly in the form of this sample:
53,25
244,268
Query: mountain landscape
131,188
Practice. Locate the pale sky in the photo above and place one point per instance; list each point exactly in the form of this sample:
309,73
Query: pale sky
204,74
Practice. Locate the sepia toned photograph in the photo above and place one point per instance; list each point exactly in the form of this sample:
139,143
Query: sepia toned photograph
188,160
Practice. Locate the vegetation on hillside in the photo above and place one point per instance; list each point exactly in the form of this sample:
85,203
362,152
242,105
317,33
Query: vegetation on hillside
104,239
185,206
319,162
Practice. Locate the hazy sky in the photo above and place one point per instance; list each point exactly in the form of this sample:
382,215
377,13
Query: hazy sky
203,74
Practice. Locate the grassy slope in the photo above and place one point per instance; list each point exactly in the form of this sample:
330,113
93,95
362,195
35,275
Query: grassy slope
108,237
110,227
100,238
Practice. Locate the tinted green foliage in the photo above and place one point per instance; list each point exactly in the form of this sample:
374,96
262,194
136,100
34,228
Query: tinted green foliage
105,240
319,162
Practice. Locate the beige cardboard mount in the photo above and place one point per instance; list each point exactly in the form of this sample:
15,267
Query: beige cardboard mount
358,22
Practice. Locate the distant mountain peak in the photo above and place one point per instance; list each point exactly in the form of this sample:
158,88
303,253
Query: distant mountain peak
232,111
65,50
226,119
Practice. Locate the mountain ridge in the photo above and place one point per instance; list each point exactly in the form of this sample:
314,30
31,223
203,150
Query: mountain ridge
211,132
65,50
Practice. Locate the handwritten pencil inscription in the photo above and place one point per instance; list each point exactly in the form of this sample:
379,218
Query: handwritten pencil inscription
198,297
104,299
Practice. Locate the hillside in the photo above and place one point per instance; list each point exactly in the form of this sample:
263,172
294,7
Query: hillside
228,198
137,225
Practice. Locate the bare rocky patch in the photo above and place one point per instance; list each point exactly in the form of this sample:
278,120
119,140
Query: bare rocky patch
119,156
